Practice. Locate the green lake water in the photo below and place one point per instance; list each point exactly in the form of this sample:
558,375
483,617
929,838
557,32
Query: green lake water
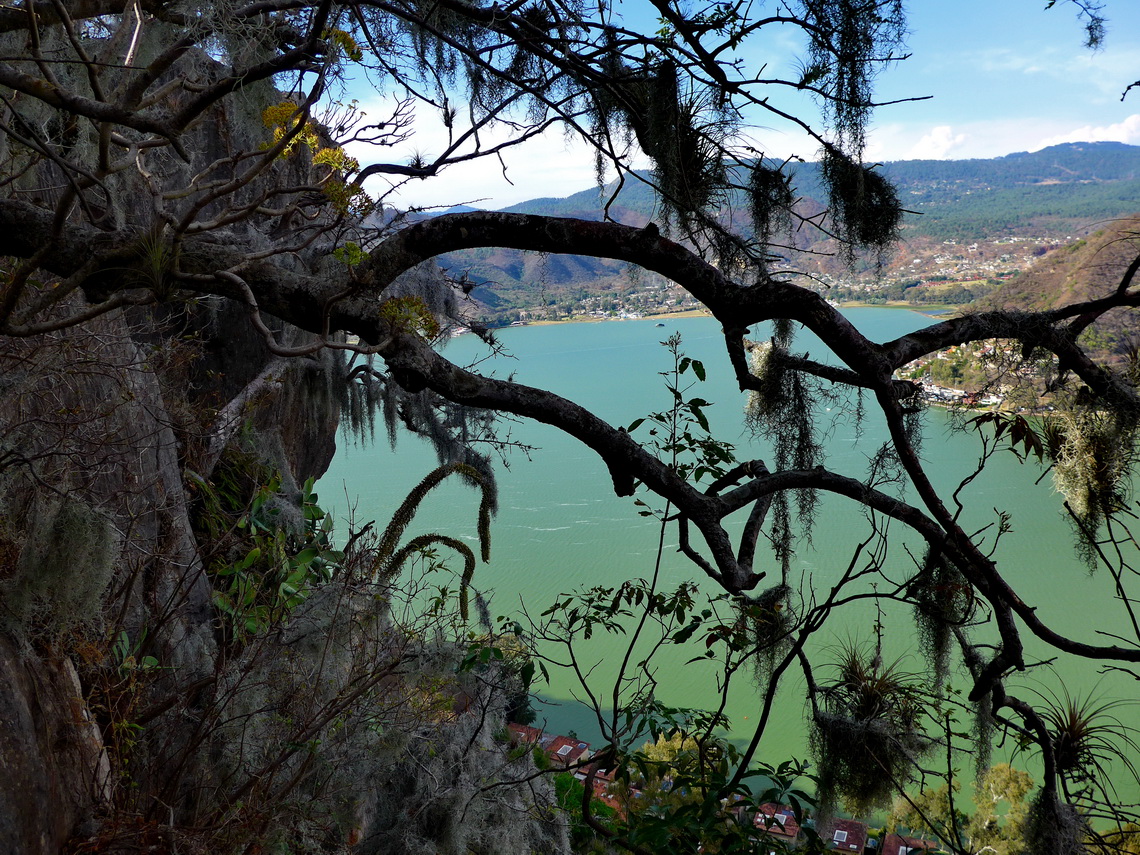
560,527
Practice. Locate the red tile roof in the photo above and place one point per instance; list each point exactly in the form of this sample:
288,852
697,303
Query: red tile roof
524,734
602,781
561,749
564,750
844,835
777,820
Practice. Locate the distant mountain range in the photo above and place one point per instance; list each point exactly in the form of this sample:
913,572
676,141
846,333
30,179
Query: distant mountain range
1053,193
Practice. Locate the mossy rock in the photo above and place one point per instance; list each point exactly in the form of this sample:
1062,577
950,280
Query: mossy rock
65,565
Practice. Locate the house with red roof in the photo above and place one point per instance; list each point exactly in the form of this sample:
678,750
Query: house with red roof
844,835
523,734
566,750
563,750
778,822
603,785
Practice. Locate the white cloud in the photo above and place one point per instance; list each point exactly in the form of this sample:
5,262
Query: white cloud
1004,61
548,165
991,138
1102,74
937,144
1098,73
1126,131
899,141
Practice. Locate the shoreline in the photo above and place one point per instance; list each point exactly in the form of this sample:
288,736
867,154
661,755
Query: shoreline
935,312
587,319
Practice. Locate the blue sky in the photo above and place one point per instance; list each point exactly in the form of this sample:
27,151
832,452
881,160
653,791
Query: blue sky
1004,76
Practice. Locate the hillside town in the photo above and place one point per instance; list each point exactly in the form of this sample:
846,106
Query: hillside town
948,271
922,273
775,825
983,375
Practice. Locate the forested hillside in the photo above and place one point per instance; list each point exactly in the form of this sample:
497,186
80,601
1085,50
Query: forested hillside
1086,269
1052,192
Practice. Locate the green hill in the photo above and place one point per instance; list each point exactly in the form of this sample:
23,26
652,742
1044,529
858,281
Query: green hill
1083,270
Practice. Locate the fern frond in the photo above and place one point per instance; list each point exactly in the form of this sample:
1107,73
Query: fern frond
423,541
407,510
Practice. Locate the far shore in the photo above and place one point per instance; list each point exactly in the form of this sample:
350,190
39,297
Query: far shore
931,311
589,319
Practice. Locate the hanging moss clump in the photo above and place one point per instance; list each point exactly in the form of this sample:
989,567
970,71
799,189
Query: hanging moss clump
685,133
983,733
943,600
866,733
363,392
848,43
781,410
1092,465
1055,827
865,208
768,620
770,200
765,366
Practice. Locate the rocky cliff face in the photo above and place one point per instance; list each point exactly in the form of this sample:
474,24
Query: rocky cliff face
146,703
97,540
187,661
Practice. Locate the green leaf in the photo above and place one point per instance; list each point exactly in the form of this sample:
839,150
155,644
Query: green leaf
305,556
684,634
253,555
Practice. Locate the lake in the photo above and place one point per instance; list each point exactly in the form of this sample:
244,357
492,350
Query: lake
560,527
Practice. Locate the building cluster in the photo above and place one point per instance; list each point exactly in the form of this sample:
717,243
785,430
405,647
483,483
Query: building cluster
945,265
991,372
947,395
778,823
773,823
612,305
563,751
949,262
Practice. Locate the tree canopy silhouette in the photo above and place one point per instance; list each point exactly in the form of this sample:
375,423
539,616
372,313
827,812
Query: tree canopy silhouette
158,157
